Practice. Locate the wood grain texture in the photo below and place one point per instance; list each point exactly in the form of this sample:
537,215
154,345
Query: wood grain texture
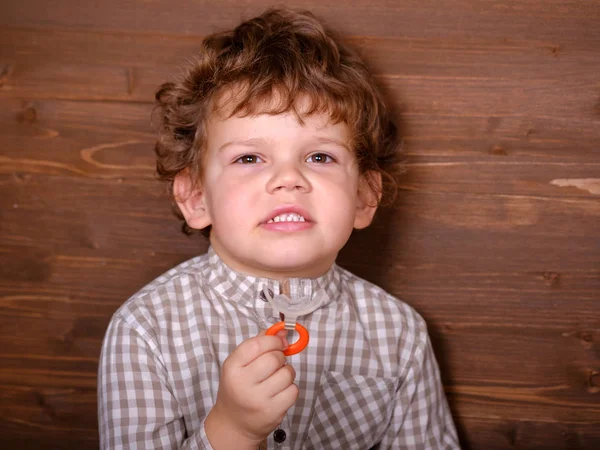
494,237
518,19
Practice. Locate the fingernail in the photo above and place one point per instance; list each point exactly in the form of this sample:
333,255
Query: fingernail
286,344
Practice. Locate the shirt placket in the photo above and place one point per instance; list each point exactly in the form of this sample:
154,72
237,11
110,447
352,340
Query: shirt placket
283,437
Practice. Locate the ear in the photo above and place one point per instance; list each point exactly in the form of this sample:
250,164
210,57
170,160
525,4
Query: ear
191,201
369,194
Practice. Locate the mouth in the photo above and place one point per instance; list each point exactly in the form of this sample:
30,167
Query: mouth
287,217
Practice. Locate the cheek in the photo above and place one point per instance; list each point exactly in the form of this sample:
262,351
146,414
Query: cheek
340,203
339,189
232,202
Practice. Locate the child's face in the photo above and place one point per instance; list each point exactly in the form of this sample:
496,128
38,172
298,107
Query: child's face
282,197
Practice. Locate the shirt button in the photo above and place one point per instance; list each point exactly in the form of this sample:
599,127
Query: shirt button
279,435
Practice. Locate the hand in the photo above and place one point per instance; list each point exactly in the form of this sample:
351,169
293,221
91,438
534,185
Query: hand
255,391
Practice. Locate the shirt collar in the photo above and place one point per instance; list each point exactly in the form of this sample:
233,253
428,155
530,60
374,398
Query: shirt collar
246,289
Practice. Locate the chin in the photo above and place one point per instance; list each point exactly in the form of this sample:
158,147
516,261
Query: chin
297,267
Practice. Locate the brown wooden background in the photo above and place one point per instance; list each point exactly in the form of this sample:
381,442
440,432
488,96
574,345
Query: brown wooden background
495,238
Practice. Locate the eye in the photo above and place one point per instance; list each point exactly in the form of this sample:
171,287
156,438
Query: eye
248,159
320,158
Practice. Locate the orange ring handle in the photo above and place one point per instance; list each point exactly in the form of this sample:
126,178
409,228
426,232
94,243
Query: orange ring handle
297,346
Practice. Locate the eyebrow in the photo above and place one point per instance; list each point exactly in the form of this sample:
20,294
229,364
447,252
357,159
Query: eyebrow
252,142
257,142
326,140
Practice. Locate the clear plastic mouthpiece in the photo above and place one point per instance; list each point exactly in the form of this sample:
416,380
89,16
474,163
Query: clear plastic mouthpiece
292,309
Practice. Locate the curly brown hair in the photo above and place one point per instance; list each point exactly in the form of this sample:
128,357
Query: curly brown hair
284,55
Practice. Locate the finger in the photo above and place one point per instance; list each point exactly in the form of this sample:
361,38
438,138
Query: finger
279,381
280,333
252,348
286,398
265,365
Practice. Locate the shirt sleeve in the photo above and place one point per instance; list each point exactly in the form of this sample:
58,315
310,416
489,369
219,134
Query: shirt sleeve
136,407
421,418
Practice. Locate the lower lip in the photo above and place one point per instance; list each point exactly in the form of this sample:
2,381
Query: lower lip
287,226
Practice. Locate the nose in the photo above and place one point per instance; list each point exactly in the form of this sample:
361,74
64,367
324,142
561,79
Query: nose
289,177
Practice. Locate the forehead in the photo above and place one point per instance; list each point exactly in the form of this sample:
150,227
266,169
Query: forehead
276,128
240,99
271,119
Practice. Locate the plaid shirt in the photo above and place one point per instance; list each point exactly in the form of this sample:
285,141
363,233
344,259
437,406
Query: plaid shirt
368,377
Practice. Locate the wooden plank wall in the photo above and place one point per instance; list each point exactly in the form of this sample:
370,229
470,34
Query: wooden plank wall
495,237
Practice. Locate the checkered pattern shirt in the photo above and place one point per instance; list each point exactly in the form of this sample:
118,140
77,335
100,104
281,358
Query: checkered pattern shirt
368,378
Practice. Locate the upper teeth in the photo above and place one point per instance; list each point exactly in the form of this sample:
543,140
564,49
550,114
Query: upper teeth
293,217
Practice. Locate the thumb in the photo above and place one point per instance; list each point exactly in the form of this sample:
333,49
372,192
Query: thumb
282,334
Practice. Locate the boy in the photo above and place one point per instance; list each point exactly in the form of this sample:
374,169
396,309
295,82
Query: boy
277,145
